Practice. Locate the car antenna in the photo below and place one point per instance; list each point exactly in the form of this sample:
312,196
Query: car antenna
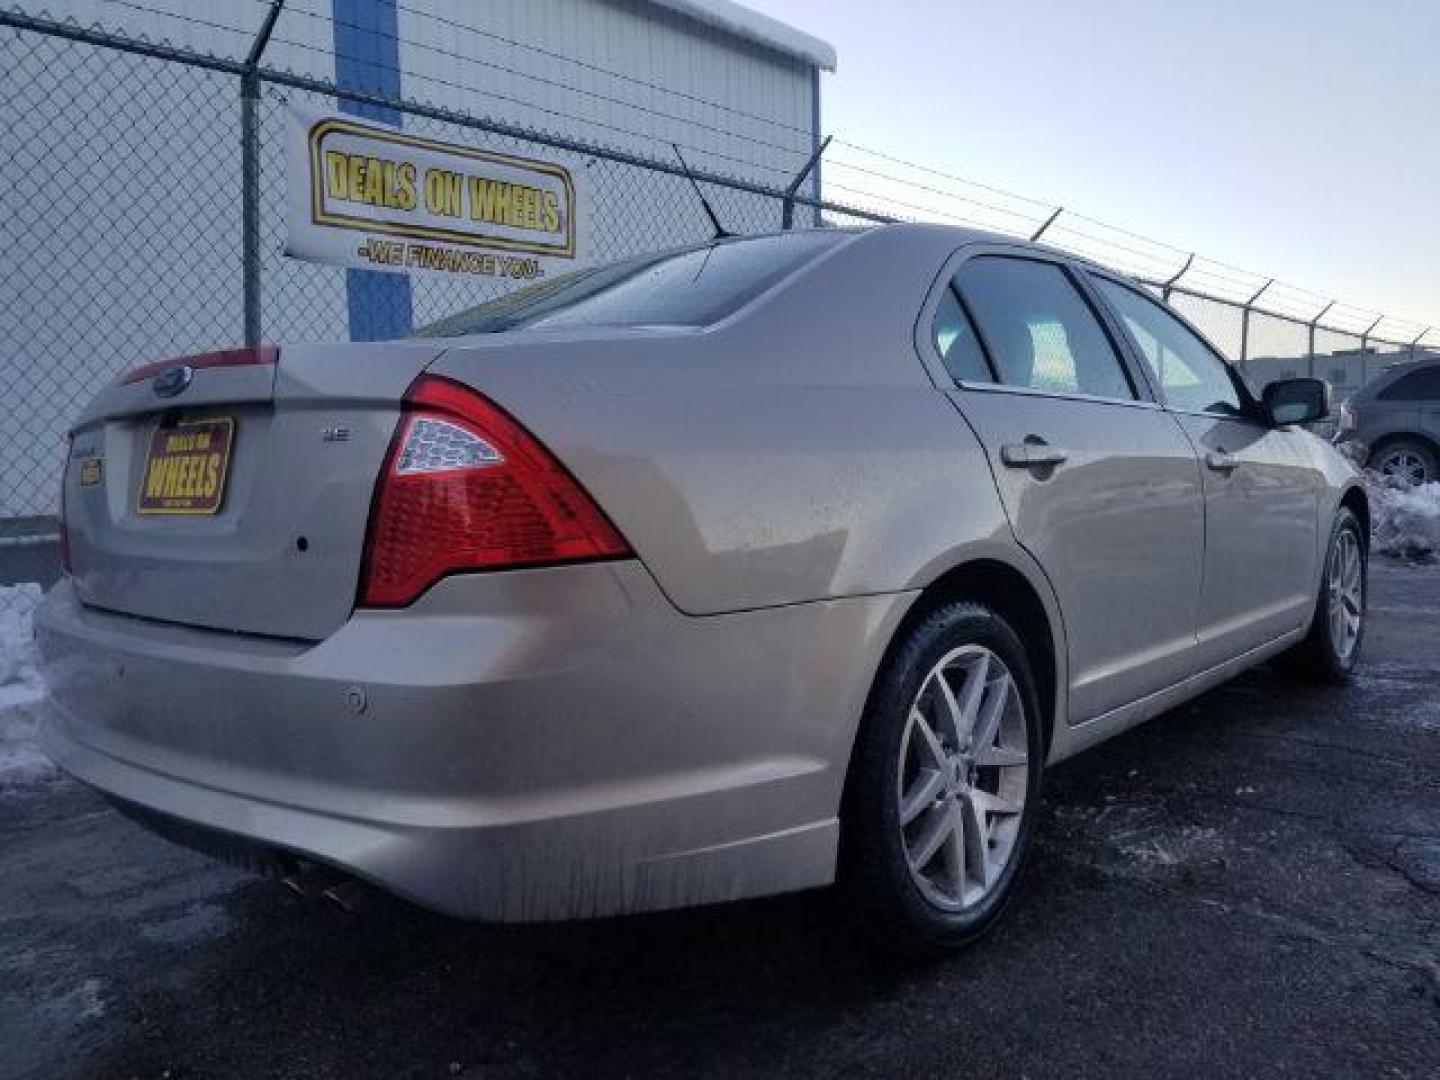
720,231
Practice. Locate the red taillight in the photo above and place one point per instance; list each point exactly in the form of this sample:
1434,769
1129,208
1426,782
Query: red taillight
467,488
259,354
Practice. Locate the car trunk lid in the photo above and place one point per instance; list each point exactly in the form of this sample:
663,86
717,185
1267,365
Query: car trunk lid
240,502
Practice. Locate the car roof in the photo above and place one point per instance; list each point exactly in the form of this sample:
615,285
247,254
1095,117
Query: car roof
932,233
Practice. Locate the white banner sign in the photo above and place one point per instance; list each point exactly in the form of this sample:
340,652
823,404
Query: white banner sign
368,195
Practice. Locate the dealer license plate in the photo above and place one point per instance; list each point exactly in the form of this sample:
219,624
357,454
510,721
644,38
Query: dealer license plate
186,467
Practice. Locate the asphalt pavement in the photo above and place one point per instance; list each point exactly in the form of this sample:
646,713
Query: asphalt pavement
1248,886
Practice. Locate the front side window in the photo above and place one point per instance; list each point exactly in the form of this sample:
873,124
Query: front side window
694,287
1038,329
1190,376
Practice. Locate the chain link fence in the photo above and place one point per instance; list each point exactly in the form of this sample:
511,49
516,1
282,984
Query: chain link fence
97,280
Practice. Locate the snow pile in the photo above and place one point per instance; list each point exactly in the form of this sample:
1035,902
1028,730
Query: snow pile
1405,520
21,689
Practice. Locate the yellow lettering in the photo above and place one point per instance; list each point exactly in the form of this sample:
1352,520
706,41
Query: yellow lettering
444,192
337,171
355,176
434,191
478,198
152,481
405,186
374,183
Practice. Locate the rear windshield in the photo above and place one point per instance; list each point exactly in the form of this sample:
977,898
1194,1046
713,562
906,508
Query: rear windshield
693,287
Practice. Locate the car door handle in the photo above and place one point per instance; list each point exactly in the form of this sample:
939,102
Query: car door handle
1029,455
1220,461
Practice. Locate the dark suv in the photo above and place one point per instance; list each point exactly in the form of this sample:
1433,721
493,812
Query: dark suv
1396,418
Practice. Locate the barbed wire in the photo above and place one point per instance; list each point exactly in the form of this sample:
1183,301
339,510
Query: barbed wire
749,163
800,153
838,141
797,155
1235,283
831,165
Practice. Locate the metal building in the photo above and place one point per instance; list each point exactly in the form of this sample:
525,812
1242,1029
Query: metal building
129,224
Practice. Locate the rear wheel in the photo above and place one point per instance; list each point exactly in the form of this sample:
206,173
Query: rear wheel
943,789
1331,651
1407,460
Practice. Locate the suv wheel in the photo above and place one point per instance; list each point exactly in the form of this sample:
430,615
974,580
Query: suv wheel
943,789
1406,460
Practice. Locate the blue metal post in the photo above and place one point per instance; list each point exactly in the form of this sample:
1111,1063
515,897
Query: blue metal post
367,57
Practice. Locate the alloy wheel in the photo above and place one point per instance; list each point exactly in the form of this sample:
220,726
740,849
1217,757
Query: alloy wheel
1405,465
1345,582
963,776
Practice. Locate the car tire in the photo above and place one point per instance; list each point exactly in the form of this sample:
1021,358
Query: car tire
1331,650
1408,460
910,903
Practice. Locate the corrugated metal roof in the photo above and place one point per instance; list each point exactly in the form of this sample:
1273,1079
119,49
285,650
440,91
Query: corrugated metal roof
752,26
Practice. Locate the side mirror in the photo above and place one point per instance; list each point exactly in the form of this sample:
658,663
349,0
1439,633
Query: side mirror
1297,401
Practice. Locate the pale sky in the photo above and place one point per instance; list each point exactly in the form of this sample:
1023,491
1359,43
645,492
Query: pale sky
1293,138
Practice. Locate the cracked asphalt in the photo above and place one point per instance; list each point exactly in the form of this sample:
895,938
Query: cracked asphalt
1248,886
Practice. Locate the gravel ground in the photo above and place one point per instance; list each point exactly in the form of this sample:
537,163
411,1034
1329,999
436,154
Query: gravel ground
1248,886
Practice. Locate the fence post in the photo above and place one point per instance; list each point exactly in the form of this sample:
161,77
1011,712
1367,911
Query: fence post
1310,353
787,213
1419,337
1245,322
250,173
1173,278
1365,350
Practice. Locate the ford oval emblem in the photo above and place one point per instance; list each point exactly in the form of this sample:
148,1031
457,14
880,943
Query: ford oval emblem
173,380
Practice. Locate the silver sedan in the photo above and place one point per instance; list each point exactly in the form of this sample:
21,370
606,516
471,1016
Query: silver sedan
746,568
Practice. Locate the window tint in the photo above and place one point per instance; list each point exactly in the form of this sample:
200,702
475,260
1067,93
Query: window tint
1422,385
957,344
685,288
1038,329
1189,374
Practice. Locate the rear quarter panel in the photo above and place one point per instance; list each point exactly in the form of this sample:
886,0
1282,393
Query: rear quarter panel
798,451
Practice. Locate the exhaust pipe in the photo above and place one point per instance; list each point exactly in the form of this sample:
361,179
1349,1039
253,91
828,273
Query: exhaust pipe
349,895
309,881
313,882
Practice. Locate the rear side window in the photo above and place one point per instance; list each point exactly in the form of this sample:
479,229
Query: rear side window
1039,331
1422,385
1190,376
694,287
957,344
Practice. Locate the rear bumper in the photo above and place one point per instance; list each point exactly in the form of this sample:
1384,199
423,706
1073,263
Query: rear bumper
579,749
